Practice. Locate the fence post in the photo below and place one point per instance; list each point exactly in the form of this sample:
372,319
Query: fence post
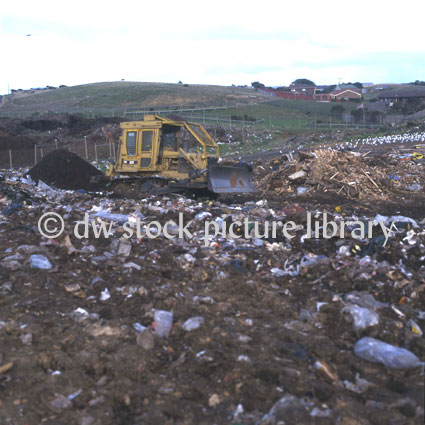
35,154
10,158
85,144
95,152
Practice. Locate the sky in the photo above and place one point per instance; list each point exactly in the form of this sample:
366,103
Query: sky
218,42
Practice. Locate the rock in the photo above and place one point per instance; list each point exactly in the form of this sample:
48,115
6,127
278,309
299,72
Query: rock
87,420
72,287
61,402
124,248
11,265
146,340
288,410
214,400
26,339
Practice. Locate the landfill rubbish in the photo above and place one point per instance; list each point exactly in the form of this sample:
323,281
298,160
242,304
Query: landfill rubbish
38,261
363,317
193,323
163,322
376,351
146,340
280,315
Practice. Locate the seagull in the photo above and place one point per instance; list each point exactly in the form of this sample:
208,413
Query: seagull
28,35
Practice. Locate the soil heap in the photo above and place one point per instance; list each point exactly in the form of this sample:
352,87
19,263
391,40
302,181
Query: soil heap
65,170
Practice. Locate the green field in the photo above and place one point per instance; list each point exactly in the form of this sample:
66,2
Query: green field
284,113
114,98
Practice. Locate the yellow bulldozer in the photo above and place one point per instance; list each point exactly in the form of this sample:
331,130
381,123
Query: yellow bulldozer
161,155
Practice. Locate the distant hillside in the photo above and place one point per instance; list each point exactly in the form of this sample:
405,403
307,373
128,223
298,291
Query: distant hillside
116,97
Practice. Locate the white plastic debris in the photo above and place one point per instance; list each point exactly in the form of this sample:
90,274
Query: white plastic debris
363,317
163,322
118,218
301,190
202,216
41,262
131,265
105,295
376,351
193,323
298,175
139,327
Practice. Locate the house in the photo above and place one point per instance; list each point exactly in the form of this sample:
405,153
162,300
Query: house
403,94
322,97
342,95
302,90
285,94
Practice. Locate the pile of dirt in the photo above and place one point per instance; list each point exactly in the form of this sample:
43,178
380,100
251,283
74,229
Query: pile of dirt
65,170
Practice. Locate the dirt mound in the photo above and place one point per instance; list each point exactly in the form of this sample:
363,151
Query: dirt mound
65,170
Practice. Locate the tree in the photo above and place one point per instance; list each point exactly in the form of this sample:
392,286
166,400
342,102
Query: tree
358,85
257,85
302,82
328,89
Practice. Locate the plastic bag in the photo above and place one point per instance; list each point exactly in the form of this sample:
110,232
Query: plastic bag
38,261
376,351
363,317
193,323
163,321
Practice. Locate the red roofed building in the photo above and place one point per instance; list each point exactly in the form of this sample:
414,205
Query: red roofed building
342,95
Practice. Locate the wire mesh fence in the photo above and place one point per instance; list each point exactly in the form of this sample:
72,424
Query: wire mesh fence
26,158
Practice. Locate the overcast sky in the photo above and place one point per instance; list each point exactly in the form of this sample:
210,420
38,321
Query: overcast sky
217,42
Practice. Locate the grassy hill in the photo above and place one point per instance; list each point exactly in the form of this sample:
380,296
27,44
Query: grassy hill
116,97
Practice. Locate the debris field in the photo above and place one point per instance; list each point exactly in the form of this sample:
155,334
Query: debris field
243,329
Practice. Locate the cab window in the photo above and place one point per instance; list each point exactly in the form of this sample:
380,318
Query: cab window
131,143
147,137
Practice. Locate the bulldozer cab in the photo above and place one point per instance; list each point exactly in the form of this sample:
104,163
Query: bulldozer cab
158,144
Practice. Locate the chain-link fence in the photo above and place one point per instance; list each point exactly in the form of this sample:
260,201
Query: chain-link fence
92,152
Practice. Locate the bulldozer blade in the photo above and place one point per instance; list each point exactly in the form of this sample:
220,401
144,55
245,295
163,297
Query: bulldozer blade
230,179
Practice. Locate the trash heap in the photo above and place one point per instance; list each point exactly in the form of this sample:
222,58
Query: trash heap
350,174
212,329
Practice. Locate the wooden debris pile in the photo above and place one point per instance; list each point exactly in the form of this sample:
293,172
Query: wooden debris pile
351,174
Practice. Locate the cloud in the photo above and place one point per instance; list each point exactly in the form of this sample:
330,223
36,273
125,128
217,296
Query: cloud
224,43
